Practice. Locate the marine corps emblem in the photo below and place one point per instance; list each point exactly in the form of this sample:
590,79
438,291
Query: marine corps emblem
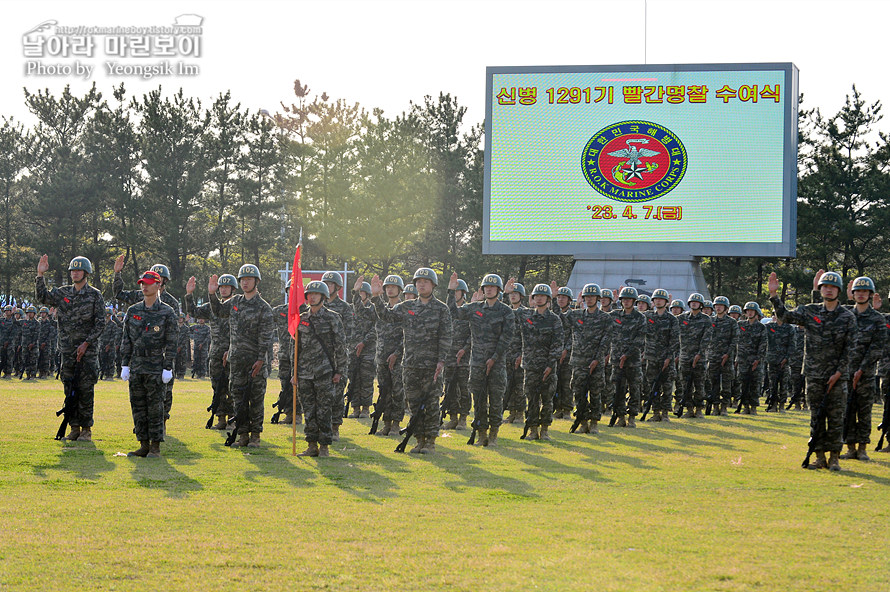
634,161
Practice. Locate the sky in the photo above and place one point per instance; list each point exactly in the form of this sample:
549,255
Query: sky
386,54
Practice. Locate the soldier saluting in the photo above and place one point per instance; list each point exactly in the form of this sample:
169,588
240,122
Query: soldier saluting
80,311
831,339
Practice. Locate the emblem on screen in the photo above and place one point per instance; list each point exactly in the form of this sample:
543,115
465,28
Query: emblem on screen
634,161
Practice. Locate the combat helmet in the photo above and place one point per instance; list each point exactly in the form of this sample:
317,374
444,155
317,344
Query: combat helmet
161,270
317,287
542,289
81,263
590,290
566,291
493,279
227,279
333,277
831,278
606,293
517,287
249,270
721,300
661,293
864,283
427,274
628,292
394,280
696,297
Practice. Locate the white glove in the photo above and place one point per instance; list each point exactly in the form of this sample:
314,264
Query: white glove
167,376
125,372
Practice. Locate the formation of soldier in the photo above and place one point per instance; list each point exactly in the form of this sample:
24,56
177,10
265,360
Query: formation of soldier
28,342
493,351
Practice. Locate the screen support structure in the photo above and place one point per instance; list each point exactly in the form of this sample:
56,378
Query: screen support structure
679,275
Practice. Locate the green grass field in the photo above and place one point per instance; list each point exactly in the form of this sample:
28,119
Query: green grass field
710,504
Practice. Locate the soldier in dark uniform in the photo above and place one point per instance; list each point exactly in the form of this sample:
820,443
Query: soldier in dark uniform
201,345
542,344
795,366
514,397
606,300
563,401
662,348
30,346
779,345
751,351
721,356
285,401
221,403
107,347
250,326
361,366
46,342
735,312
12,336
426,322
183,347
627,341
695,338
390,349
831,342
321,354
491,330
334,282
80,309
148,352
456,402
410,292
591,332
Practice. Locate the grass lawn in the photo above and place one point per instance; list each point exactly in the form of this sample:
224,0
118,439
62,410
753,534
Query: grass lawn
711,504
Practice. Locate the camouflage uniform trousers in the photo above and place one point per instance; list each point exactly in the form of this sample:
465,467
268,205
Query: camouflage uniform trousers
651,368
860,424
316,396
514,397
488,395
783,375
286,394
337,402
422,391
588,389
248,394
832,440
168,398
106,360
44,360
539,398
182,363
219,382
633,377
199,365
564,400
7,359
719,380
457,391
391,380
751,394
29,359
89,374
147,403
362,391
697,397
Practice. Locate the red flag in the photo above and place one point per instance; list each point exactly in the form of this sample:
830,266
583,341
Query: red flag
295,297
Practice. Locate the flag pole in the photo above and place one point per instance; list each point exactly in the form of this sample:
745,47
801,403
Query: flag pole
294,375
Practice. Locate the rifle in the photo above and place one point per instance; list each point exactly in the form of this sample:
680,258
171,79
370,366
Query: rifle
475,425
380,406
72,400
524,430
353,378
620,391
818,428
214,403
448,399
281,404
581,412
409,429
687,392
655,393
241,417
798,392
773,398
850,414
746,384
884,428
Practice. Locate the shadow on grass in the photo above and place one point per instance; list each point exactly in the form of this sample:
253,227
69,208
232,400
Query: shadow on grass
467,468
342,470
177,449
845,471
158,473
82,459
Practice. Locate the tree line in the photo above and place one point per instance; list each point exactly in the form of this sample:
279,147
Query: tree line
206,187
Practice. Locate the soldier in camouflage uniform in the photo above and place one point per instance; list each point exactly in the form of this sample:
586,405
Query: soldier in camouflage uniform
591,331
183,347
334,282
708,308
514,397
221,404
831,343
250,329
321,354
285,401
30,331
362,366
563,401
751,352
695,338
410,292
148,352
11,336
721,356
779,345
627,340
130,297
491,330
201,345
390,340
45,343
871,332
795,366
456,403
606,300
735,312
80,309
662,348
426,322
542,344
107,347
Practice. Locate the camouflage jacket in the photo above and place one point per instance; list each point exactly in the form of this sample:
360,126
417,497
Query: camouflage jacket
591,336
184,340
542,339
795,359
662,336
831,337
285,341
515,349
461,338
390,341
6,325
365,327
695,334
250,325
427,329
779,342
219,327
752,342
347,317
12,331
110,334
871,337
30,331
134,296
314,360
148,343
566,326
80,315
628,335
491,328
201,337
48,332
724,338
